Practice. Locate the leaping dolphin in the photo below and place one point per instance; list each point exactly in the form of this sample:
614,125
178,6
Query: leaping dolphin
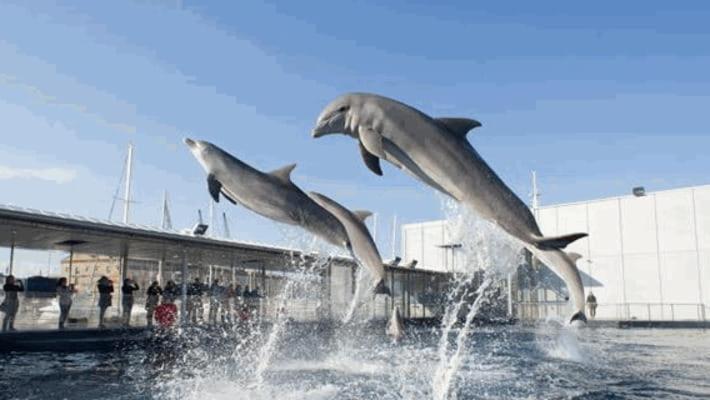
272,195
436,151
363,247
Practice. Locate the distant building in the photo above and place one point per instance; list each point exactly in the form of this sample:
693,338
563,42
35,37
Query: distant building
86,269
647,255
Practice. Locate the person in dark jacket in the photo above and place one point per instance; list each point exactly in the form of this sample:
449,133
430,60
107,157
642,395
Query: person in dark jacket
151,301
171,292
592,304
105,288
216,292
11,302
195,309
65,294
129,286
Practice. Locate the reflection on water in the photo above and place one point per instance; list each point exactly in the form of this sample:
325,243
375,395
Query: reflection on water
507,362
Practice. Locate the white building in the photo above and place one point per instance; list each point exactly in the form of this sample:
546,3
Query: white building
646,257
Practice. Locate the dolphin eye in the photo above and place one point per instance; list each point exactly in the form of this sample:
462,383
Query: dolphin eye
343,109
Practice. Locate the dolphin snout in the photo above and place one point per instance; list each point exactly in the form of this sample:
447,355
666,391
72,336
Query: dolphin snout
327,126
319,129
189,142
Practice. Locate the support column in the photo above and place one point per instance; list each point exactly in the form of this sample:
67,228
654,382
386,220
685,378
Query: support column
183,297
159,275
263,281
71,263
510,294
123,273
234,273
405,295
12,255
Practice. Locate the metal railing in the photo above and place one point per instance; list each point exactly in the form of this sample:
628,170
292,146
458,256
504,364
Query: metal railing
616,311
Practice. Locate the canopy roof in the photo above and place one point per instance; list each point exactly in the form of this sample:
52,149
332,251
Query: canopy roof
41,230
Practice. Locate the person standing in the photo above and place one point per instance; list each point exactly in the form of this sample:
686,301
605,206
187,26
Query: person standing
215,301
65,293
195,309
129,286
105,287
11,303
152,299
171,292
592,304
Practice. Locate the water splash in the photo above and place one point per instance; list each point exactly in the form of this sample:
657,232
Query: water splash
301,268
487,255
558,340
286,296
363,282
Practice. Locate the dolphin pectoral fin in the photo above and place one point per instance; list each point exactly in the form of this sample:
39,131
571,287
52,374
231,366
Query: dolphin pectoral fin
228,196
372,141
459,126
371,161
362,215
284,173
574,256
578,316
214,186
557,242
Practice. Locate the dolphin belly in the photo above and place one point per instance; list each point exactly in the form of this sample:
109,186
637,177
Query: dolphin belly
401,160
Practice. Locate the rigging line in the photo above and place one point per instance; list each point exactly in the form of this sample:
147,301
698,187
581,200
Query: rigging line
118,188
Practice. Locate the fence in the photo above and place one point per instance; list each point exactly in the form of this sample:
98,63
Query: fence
616,311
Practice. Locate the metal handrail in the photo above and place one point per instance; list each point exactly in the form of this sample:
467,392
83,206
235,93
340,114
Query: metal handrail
624,311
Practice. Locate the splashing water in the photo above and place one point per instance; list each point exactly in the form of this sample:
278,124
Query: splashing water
363,282
488,255
287,295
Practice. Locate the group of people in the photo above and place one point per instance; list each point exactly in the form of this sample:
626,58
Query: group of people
224,301
160,301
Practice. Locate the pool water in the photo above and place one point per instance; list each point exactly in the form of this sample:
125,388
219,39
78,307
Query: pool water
542,362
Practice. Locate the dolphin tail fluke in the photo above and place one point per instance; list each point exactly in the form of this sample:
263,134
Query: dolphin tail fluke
557,242
578,316
381,288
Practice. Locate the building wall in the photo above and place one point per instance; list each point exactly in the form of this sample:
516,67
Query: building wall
423,242
645,257
649,255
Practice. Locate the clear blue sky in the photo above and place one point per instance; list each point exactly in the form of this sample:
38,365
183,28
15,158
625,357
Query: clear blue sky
597,97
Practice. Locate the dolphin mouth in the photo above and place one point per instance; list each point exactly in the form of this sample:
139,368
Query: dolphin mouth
327,126
320,130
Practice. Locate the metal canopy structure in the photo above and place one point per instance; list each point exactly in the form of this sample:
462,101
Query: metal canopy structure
40,230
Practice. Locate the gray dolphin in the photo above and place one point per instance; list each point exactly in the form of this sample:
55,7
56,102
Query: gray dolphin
395,326
272,195
436,151
363,246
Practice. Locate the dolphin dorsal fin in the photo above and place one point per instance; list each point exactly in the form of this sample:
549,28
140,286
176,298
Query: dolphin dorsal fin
459,126
362,214
283,173
574,256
